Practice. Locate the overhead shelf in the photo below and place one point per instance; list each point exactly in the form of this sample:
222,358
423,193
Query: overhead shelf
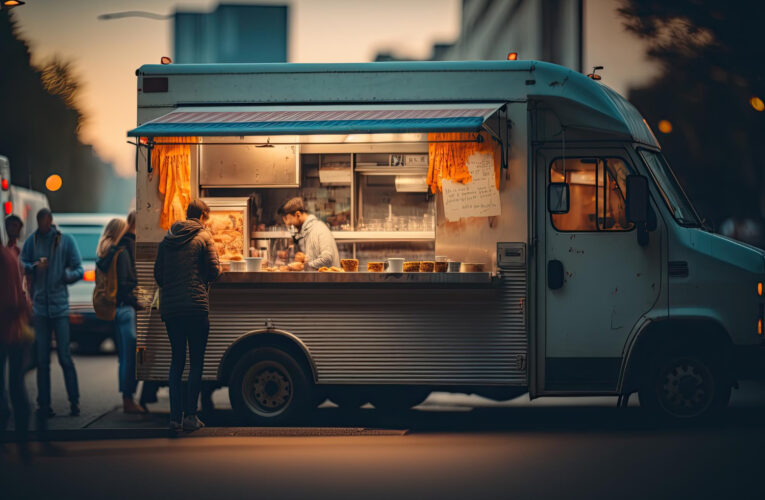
361,236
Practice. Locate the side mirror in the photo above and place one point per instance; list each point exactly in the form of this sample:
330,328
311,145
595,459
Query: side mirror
637,199
558,198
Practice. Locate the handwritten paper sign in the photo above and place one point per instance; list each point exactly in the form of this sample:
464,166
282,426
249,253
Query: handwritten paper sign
478,198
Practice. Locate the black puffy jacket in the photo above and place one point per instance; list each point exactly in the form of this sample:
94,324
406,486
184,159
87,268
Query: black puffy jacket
186,264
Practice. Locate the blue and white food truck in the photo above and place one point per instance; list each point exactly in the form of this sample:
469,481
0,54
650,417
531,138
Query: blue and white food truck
547,246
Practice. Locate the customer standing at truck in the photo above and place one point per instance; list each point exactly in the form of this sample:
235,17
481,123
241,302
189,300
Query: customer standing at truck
52,261
313,236
114,255
186,264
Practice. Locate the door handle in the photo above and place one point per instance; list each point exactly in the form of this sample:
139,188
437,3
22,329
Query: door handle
554,274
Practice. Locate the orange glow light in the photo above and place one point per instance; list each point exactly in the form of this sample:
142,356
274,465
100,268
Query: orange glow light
665,126
759,327
11,3
89,275
759,288
512,56
757,103
53,182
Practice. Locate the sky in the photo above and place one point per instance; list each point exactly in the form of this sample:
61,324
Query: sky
107,53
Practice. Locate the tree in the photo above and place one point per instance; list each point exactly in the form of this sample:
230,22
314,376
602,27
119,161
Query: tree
39,125
711,56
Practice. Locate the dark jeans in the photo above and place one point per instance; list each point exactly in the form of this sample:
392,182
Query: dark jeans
191,330
44,328
16,388
124,323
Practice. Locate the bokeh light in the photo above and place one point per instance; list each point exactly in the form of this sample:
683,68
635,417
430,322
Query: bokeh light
53,182
757,103
665,126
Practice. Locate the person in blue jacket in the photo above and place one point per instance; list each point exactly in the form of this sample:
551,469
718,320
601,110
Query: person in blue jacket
52,261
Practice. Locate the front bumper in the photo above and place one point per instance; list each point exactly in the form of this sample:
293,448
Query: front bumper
83,324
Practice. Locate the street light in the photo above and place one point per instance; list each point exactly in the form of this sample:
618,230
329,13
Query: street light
9,4
135,13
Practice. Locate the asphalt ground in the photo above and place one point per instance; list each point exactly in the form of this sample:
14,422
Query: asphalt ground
452,446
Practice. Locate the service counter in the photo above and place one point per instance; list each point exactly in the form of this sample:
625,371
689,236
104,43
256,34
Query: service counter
361,279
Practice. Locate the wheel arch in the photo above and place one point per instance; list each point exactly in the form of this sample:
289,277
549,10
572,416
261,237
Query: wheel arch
677,331
270,337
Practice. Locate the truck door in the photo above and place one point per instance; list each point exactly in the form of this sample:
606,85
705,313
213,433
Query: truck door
597,279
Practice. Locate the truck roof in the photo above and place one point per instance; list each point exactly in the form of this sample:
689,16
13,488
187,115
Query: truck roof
579,101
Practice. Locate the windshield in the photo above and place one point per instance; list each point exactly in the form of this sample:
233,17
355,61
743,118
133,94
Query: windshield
673,194
86,238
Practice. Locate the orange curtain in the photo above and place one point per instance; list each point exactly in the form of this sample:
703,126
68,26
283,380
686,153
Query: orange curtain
173,163
448,160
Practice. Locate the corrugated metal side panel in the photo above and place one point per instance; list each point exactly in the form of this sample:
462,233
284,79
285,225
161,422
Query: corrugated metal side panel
443,336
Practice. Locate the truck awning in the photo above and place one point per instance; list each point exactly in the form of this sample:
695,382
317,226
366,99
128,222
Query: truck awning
305,120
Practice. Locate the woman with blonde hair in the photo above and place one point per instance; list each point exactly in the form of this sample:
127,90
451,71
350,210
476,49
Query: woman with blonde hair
111,246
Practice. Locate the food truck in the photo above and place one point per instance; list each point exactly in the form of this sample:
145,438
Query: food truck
504,227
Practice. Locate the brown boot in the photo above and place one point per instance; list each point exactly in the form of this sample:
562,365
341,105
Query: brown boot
129,406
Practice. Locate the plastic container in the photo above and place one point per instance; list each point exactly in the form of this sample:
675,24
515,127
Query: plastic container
395,265
237,266
254,264
350,265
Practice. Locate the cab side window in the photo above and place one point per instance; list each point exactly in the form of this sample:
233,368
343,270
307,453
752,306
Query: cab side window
596,193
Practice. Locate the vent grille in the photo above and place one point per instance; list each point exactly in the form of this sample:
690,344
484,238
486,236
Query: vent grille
678,269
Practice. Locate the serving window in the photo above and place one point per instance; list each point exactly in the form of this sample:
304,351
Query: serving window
381,193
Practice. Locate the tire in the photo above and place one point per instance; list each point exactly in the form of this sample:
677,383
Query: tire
397,400
268,387
685,387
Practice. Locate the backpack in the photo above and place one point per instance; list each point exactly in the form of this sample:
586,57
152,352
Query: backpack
105,292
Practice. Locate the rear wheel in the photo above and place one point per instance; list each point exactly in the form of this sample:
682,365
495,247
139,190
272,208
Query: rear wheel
685,387
268,387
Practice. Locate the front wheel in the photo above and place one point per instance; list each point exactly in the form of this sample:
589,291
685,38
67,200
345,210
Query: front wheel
268,387
685,387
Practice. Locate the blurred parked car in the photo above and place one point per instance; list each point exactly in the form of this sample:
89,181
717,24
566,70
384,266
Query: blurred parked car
87,331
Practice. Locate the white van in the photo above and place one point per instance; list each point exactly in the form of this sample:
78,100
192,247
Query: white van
585,269
20,201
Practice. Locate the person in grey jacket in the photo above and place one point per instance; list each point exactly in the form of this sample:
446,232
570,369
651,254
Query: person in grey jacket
52,262
313,237
186,264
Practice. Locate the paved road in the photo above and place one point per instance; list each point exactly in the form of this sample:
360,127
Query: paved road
447,449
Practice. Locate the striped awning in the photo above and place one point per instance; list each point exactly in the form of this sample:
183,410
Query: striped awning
305,120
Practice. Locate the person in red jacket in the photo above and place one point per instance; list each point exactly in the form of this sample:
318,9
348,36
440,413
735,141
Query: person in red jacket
15,313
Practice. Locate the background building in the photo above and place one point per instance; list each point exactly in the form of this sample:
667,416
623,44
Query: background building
231,34
547,30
